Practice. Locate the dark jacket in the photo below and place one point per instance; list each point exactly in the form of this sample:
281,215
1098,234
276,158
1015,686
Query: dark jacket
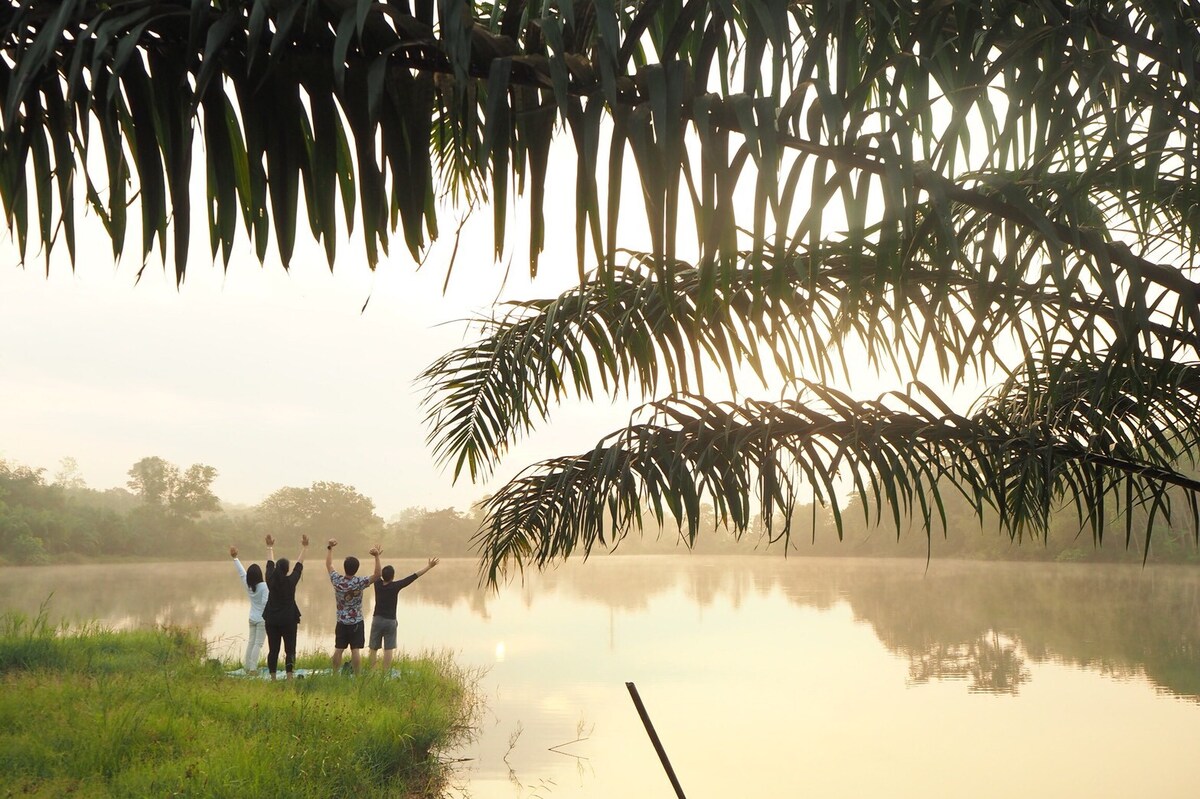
281,606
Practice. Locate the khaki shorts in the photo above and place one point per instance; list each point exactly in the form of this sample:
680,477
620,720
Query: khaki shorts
383,631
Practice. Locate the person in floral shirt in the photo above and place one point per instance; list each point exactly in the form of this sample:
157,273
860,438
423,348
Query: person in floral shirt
348,592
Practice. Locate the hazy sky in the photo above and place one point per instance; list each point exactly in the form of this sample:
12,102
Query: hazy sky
279,378
275,378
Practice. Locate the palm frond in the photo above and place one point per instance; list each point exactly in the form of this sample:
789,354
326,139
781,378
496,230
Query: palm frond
630,332
860,100
926,179
1036,445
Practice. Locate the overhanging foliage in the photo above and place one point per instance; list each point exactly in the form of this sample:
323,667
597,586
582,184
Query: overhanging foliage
1000,188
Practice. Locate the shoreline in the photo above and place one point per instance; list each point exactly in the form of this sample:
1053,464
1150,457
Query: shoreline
147,712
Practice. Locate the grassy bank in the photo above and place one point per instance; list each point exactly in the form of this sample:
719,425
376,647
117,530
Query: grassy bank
96,712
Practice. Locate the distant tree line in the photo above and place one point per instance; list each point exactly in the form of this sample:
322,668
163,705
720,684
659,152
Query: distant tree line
165,511
816,531
965,536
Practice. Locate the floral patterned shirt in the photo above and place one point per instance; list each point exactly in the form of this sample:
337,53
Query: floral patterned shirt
348,593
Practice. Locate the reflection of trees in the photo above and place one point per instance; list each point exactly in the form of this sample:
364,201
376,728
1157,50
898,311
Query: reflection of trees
141,595
622,583
990,663
980,622
1114,619
618,582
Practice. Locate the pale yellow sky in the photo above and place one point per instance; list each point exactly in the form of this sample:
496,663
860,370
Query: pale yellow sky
279,378
275,378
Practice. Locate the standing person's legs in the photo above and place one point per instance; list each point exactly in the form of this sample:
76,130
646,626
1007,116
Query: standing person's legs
254,642
348,635
376,639
383,634
341,639
289,648
357,639
274,635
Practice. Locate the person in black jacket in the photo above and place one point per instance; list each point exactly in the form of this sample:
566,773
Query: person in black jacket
281,616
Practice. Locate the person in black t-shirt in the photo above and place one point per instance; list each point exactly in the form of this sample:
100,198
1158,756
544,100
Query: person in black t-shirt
281,616
383,622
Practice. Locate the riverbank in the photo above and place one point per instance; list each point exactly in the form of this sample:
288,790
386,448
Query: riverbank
97,712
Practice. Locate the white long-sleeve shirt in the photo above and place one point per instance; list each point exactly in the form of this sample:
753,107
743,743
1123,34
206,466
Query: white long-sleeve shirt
258,597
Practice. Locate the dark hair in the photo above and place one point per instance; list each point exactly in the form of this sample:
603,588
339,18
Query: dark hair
351,566
281,568
388,573
253,576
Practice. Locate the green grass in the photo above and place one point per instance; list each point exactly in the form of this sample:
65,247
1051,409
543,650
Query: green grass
96,712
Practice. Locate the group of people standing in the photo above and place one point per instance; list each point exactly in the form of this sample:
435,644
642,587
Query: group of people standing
275,616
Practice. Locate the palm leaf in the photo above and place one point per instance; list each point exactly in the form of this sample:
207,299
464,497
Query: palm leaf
755,457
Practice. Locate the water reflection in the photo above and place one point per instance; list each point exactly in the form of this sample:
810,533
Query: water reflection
975,622
989,619
989,664
764,676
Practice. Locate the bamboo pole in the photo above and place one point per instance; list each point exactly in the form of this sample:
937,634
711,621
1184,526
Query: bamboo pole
658,747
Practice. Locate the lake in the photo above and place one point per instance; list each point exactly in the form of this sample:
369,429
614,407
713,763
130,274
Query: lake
765,676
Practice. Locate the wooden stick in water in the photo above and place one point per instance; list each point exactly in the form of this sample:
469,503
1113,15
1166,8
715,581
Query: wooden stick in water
658,747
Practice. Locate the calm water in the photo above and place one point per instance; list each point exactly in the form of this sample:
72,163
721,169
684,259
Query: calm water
766,677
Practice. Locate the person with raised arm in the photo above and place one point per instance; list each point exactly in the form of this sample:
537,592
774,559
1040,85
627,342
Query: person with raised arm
281,614
256,589
347,593
383,620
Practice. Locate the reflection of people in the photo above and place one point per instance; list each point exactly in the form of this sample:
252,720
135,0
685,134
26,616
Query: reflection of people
256,589
383,621
347,592
282,614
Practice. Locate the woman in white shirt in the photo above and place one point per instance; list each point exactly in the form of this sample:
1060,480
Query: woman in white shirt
256,589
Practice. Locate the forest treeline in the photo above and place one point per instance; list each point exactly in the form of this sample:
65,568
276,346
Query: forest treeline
168,512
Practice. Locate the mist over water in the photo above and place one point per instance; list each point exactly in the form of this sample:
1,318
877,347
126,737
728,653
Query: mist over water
764,676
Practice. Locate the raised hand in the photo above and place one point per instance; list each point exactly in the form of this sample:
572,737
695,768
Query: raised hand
270,540
233,552
304,540
375,551
433,562
332,543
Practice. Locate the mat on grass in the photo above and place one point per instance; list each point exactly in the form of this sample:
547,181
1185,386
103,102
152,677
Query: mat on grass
263,674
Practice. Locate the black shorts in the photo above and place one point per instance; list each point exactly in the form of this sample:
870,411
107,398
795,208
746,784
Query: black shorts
349,635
